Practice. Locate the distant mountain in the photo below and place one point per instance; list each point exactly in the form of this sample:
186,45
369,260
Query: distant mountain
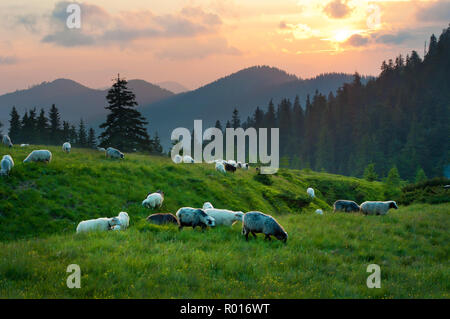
73,99
172,86
245,90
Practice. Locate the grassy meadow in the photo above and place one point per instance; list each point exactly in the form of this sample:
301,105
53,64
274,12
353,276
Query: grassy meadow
326,256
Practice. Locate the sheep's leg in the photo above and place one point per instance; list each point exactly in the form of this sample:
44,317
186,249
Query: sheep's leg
246,236
180,228
267,237
254,235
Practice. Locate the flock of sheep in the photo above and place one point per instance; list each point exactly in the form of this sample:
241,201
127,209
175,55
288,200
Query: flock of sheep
252,222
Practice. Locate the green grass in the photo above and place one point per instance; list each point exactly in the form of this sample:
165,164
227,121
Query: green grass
325,256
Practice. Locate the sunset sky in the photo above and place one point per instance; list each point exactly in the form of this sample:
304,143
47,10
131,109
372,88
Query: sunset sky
195,42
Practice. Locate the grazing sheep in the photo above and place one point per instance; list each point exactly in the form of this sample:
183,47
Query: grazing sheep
162,218
232,162
39,156
319,212
244,166
347,206
377,208
257,222
220,167
66,147
124,220
224,216
7,141
24,145
114,153
193,217
188,159
99,224
6,165
230,167
310,192
154,200
117,227
177,159
207,205
101,149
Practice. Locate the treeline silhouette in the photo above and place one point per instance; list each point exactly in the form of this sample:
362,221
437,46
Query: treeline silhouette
399,119
32,128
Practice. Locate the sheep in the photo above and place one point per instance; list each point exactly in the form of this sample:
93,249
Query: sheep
220,167
345,206
377,208
310,192
124,220
193,217
319,212
114,153
224,216
116,227
39,156
244,166
66,147
24,145
257,222
162,218
177,159
101,149
154,200
99,224
6,165
207,205
232,162
7,141
230,167
188,159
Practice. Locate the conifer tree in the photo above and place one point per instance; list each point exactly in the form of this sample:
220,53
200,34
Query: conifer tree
91,141
14,125
55,125
42,128
82,135
125,126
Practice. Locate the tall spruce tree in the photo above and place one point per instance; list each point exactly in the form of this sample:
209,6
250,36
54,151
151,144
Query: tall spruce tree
55,125
82,135
91,141
14,125
42,128
125,126
235,120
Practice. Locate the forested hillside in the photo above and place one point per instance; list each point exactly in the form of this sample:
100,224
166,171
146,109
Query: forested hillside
399,119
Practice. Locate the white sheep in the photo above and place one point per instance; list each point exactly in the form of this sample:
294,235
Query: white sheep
377,208
124,220
310,192
224,216
24,145
39,156
7,141
114,153
220,167
6,165
154,200
66,147
207,205
99,224
177,159
319,212
188,159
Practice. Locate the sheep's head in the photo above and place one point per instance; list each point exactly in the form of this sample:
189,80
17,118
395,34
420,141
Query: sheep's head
239,216
282,235
206,219
122,155
160,192
114,221
393,204
207,205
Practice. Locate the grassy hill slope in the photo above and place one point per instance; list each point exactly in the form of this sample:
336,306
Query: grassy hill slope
325,256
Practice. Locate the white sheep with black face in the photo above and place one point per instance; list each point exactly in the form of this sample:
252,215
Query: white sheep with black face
99,224
377,208
7,141
114,153
66,147
224,216
220,167
310,192
193,217
6,165
154,200
39,156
